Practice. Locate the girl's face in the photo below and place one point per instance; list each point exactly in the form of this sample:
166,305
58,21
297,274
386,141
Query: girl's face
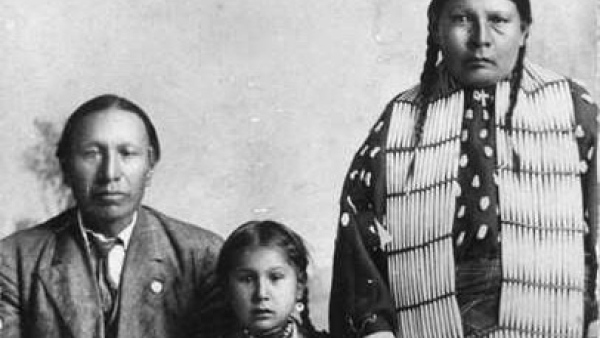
480,39
263,288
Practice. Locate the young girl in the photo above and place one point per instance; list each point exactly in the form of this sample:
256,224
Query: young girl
262,267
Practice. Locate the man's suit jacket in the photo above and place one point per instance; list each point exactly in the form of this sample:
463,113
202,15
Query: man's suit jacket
168,286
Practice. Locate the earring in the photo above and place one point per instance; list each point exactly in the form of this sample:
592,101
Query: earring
299,307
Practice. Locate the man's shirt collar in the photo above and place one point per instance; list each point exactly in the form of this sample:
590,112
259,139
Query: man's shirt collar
124,235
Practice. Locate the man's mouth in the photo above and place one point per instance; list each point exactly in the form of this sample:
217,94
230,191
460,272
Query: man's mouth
109,195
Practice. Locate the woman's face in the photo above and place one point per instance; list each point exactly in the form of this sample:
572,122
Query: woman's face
480,39
263,289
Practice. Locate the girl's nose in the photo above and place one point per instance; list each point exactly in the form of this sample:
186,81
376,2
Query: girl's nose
261,291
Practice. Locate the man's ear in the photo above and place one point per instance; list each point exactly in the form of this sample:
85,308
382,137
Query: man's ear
152,161
149,174
66,177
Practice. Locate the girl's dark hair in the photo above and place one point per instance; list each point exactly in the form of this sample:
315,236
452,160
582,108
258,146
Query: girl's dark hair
429,75
97,104
268,233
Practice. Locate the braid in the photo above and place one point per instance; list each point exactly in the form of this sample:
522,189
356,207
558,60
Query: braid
305,317
515,85
428,78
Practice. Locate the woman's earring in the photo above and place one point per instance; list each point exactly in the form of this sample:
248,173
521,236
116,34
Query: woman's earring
299,307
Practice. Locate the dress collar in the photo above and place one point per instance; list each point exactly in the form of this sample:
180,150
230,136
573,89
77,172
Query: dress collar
534,78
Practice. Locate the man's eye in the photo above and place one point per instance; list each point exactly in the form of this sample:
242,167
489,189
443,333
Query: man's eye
498,20
128,153
90,153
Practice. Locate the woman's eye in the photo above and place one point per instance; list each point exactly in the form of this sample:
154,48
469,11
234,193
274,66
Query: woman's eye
244,279
459,18
90,153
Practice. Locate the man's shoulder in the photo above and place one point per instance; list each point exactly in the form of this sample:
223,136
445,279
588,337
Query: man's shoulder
183,232
40,233
28,244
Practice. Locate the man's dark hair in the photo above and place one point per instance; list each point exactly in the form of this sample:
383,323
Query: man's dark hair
100,103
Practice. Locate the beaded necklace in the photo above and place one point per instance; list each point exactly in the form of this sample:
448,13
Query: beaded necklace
287,331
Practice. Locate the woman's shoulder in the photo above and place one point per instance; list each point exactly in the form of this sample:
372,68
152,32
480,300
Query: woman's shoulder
410,95
585,110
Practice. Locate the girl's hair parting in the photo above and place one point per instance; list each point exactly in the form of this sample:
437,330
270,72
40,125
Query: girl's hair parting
268,233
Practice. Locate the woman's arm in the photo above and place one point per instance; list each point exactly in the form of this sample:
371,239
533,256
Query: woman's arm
361,303
586,116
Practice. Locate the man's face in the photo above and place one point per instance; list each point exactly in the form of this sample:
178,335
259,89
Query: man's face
108,166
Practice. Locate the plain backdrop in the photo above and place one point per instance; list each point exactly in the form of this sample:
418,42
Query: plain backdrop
259,104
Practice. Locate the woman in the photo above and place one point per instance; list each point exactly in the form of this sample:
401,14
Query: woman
470,209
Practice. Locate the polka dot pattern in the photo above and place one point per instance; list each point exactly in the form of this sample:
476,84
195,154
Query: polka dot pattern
477,220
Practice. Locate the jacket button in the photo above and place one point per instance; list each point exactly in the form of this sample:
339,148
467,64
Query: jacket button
156,287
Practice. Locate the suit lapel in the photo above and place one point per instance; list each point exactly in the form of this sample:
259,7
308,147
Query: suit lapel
147,274
69,282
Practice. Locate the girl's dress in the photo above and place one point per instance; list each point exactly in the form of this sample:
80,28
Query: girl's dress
294,329
487,228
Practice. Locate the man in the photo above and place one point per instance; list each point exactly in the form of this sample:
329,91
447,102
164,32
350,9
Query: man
109,267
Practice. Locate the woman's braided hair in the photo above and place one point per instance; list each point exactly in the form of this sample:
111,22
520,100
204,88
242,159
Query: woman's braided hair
429,76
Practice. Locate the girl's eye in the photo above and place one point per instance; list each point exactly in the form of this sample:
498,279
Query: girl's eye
276,276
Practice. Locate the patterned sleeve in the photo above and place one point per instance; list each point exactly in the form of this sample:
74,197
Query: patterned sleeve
586,116
360,301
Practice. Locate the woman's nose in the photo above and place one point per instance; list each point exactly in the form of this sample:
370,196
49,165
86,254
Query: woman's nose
480,34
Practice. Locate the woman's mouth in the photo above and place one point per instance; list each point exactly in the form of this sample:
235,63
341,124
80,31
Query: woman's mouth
261,313
479,61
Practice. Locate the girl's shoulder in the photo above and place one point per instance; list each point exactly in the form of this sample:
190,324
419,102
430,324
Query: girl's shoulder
304,332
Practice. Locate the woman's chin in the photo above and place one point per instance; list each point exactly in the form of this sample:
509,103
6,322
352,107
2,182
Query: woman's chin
480,79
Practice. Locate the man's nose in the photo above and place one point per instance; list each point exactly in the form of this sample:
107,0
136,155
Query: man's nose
111,167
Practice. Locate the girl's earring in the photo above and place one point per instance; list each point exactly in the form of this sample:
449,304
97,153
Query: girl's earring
299,306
